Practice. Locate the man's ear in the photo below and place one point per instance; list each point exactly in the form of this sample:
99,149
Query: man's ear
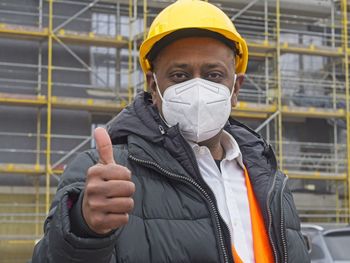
152,87
238,85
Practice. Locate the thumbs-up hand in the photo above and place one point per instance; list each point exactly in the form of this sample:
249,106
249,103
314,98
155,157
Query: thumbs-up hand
108,189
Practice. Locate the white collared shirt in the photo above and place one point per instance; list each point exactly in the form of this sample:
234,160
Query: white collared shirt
230,191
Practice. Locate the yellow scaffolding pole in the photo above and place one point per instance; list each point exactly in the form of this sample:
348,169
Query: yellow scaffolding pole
345,199
49,100
145,17
37,204
38,138
337,202
130,64
37,166
346,66
279,85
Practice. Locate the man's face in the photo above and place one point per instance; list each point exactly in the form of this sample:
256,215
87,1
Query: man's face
195,57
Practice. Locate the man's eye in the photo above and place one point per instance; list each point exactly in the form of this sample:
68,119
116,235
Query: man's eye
179,77
214,76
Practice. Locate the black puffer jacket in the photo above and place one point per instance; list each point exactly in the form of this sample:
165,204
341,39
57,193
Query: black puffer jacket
175,218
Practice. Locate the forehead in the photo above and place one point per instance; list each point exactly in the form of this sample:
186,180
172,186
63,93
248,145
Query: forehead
196,48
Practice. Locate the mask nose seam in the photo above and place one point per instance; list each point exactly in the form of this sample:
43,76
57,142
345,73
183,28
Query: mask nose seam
198,112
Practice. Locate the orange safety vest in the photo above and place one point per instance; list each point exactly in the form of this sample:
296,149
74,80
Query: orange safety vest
262,247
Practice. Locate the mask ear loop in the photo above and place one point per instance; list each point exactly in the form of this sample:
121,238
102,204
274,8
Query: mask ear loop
234,83
156,81
161,97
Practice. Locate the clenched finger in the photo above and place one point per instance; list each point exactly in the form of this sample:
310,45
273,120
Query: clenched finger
118,188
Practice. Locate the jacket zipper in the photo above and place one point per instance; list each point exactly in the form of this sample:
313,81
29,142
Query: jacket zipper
194,183
282,223
270,217
284,245
226,229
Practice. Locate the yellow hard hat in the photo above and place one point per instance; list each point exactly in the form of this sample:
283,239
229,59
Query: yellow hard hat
197,14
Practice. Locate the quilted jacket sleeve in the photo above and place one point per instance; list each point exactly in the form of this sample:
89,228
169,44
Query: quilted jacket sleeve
60,242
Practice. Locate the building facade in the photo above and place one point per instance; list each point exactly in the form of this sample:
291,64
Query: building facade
68,66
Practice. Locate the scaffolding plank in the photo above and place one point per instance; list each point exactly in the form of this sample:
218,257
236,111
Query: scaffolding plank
312,112
243,109
315,175
21,168
22,32
312,50
93,105
27,169
88,104
71,37
255,107
22,100
266,47
92,39
249,115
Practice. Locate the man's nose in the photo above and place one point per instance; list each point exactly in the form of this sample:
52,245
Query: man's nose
197,74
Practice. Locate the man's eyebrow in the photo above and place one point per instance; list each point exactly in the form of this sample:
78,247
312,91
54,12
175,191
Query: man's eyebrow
186,66
214,64
178,65
207,65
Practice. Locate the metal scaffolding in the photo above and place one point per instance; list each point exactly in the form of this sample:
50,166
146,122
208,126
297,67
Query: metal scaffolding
273,96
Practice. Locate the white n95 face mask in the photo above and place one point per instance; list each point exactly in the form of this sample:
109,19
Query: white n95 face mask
201,107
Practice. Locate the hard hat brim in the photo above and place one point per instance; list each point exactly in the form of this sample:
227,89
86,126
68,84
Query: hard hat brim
240,61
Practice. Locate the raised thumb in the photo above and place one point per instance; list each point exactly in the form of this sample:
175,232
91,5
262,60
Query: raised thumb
104,146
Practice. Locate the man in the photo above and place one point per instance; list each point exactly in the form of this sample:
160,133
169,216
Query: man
182,182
